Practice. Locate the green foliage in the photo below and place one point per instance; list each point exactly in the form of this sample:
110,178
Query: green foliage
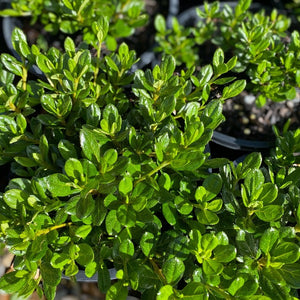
110,168
267,54
85,16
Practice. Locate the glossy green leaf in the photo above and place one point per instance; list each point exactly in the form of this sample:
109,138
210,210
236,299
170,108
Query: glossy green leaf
169,212
253,182
167,67
270,213
69,46
173,270
160,23
74,169
14,197
113,226
207,217
58,185
90,269
67,149
268,239
59,260
147,243
269,193
90,142
286,252
218,57
51,275
209,242
194,290
251,162
85,206
224,253
233,89
126,249
291,274
83,231
126,215
104,280
213,185
12,282
236,285
11,64
86,254
72,269
126,185
117,292
211,267
166,293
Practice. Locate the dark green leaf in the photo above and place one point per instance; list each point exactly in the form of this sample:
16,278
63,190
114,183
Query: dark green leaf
173,270
104,280
67,149
117,292
233,89
91,141
58,185
49,274
86,254
286,252
213,185
268,239
74,169
126,215
211,267
14,197
126,249
270,213
291,274
147,243
126,185
11,64
167,67
224,253
85,206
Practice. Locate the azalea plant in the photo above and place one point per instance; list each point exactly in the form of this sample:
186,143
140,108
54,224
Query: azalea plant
76,16
267,53
111,169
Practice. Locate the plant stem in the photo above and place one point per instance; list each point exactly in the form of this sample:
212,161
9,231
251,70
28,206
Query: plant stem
24,78
96,71
220,291
158,168
47,230
158,271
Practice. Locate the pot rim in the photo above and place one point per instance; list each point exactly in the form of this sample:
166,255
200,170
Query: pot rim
81,277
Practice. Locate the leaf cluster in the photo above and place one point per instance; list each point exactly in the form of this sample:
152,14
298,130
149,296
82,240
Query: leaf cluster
267,54
74,16
111,169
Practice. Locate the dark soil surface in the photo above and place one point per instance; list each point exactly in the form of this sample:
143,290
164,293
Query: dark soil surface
245,120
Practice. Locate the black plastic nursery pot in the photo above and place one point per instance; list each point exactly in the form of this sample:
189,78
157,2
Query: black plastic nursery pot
81,277
8,25
224,144
168,8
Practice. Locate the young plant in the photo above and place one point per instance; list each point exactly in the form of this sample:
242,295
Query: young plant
266,52
70,17
262,206
110,170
